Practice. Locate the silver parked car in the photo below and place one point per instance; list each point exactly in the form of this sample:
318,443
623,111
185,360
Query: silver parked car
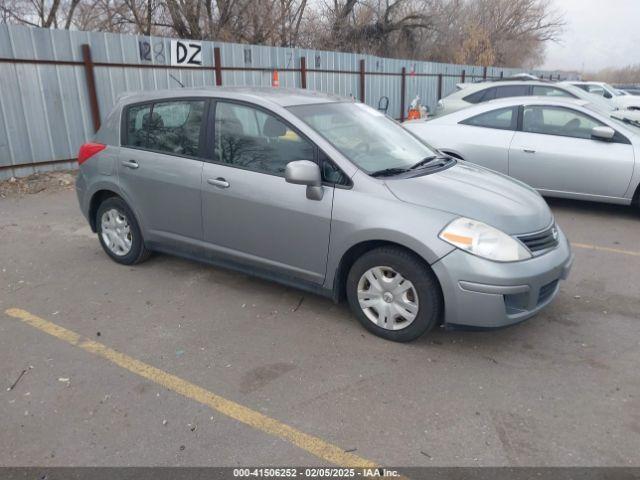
325,194
469,94
561,147
619,98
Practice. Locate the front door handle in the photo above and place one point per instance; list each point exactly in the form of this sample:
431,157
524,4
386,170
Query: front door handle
529,150
218,182
130,164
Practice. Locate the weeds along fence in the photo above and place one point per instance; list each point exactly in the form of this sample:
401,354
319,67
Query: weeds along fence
57,85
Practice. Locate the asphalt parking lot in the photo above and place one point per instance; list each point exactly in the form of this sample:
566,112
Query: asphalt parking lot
252,373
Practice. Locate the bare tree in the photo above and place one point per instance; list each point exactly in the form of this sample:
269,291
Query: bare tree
503,32
39,13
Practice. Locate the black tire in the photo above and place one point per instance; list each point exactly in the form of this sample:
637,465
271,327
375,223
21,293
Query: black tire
138,252
412,268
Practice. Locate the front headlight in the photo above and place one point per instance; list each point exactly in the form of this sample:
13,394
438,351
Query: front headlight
483,240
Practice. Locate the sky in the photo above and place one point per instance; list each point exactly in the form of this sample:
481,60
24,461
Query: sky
598,34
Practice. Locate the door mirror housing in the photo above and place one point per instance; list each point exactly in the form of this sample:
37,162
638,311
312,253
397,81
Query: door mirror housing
305,172
602,133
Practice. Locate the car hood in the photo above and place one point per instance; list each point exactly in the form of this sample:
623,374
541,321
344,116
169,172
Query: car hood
478,193
626,101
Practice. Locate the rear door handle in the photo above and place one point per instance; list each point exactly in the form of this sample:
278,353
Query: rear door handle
218,182
529,150
130,164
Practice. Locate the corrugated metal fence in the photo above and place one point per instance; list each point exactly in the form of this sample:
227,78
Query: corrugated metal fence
56,85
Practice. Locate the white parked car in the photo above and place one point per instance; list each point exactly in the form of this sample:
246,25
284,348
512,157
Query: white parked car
469,94
559,146
622,100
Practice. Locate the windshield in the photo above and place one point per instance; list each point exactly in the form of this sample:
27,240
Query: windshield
629,123
612,90
367,137
597,101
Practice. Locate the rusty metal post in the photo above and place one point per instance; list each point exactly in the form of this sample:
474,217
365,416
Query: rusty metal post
218,65
91,86
463,76
484,73
403,87
303,72
439,86
362,74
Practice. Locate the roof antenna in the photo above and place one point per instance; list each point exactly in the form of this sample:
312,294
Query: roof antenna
181,84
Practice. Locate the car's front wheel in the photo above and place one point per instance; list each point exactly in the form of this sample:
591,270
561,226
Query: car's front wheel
119,233
394,294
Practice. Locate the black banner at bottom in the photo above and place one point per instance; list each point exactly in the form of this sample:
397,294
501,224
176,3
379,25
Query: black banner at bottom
223,473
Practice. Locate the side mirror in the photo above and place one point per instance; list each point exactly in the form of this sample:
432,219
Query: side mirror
602,133
305,172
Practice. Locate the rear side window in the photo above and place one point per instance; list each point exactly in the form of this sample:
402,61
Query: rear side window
507,91
136,131
174,127
169,127
501,119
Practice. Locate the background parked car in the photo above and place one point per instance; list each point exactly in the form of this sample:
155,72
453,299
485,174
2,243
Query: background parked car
559,146
618,97
469,94
629,89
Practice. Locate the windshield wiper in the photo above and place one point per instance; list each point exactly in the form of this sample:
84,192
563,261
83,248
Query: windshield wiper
387,172
431,162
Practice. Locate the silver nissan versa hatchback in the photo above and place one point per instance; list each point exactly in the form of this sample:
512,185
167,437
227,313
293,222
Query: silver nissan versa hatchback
325,194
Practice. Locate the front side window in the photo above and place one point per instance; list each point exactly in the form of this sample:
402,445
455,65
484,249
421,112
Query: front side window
550,92
596,90
502,119
368,138
250,138
174,127
561,121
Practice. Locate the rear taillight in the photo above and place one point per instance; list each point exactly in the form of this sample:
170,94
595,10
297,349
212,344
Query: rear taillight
88,150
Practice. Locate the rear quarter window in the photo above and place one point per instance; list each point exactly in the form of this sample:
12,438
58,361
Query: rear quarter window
136,134
481,96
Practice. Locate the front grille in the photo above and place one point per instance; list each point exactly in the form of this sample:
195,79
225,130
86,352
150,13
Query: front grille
537,242
546,291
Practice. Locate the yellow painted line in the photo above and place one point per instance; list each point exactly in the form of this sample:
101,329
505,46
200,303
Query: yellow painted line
588,246
257,420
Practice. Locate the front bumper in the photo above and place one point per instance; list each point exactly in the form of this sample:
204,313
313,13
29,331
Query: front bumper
481,294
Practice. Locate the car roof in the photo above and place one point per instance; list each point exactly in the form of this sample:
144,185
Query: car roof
503,82
483,107
538,100
284,97
584,82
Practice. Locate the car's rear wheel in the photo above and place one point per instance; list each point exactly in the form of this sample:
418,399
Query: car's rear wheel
119,233
394,294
